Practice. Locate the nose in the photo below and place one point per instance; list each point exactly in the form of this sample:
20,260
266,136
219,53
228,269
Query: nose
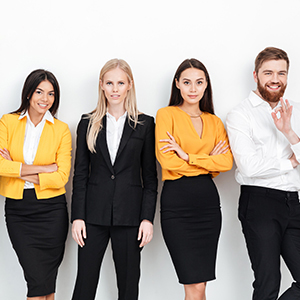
193,87
115,87
275,77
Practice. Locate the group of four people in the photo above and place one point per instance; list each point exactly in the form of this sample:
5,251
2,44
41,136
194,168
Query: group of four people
115,179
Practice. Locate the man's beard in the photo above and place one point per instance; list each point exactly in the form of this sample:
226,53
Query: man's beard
268,96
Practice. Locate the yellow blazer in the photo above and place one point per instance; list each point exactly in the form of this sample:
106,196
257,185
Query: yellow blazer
55,146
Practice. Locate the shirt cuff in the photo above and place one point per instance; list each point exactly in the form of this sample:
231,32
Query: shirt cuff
296,150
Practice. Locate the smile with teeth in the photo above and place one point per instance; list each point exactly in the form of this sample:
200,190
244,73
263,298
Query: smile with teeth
115,96
273,87
42,105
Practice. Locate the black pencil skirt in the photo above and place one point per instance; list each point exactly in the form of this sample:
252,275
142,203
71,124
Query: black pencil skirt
38,231
191,224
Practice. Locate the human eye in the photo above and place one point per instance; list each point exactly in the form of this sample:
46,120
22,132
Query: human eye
38,92
51,94
199,82
121,83
282,73
186,82
109,83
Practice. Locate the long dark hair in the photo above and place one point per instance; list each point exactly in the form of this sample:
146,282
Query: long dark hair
206,103
31,83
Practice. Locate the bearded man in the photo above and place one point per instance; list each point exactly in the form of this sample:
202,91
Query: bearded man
264,137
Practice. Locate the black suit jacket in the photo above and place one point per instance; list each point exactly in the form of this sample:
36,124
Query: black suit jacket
120,194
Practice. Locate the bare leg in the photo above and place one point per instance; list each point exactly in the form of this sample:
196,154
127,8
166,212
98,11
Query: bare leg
195,291
48,297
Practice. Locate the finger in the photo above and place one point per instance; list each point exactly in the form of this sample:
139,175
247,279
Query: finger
171,137
169,149
165,141
140,234
166,146
144,241
274,116
80,239
84,231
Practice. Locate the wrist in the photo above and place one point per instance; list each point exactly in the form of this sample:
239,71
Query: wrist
292,137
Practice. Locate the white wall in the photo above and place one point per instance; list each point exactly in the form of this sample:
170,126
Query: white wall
73,39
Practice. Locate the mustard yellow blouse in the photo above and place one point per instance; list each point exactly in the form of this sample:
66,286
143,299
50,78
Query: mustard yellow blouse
178,123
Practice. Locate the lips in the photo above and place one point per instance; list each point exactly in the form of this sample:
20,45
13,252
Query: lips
192,96
115,96
42,105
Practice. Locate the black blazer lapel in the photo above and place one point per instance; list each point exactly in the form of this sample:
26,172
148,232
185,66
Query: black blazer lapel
102,144
125,137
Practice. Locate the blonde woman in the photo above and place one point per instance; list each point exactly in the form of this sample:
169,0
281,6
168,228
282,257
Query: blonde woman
114,185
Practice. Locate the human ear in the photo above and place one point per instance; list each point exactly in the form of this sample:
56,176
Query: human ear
255,76
177,83
101,84
130,85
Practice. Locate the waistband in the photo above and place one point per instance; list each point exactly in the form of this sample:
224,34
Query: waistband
268,191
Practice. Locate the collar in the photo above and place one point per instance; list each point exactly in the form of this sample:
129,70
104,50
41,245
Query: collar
112,117
256,101
47,116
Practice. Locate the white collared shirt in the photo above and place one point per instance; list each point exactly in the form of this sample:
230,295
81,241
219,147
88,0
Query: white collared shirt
260,150
114,131
32,139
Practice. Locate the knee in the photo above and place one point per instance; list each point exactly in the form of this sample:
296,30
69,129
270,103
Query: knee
195,291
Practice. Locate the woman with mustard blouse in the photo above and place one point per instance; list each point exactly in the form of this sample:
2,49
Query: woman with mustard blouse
192,148
35,161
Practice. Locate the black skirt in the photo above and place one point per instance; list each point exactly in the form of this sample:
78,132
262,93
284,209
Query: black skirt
38,231
191,224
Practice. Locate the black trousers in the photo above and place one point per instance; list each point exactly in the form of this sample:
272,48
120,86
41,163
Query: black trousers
126,256
270,220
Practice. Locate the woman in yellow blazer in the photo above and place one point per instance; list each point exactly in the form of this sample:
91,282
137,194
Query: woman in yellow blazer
192,148
35,161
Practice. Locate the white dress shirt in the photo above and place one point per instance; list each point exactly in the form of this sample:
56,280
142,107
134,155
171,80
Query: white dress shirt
260,150
32,139
114,131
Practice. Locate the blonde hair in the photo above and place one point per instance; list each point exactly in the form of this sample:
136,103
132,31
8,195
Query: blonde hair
96,116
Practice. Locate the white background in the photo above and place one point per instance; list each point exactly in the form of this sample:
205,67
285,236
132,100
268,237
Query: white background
74,39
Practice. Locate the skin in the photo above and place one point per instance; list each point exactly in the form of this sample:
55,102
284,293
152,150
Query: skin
192,84
115,84
273,75
41,100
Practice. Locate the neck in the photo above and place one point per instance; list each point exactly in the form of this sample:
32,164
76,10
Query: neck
191,109
35,118
272,104
116,110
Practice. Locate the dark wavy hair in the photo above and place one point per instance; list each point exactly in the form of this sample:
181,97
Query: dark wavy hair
206,103
31,83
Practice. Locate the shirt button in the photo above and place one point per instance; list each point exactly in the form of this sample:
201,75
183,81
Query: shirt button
112,176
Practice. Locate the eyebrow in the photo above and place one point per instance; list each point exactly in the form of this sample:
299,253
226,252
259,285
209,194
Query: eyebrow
190,79
283,71
43,90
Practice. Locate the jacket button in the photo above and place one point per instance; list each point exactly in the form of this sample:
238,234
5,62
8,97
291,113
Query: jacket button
112,176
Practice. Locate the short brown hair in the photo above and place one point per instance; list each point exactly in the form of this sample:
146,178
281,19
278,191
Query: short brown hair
270,53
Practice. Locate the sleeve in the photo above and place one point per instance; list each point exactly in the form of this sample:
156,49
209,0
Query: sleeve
7,168
249,161
59,179
214,163
81,172
169,160
149,174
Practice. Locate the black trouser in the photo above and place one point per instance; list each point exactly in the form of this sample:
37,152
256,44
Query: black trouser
271,225
126,255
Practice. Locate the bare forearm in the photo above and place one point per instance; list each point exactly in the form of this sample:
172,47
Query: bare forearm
31,178
36,169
